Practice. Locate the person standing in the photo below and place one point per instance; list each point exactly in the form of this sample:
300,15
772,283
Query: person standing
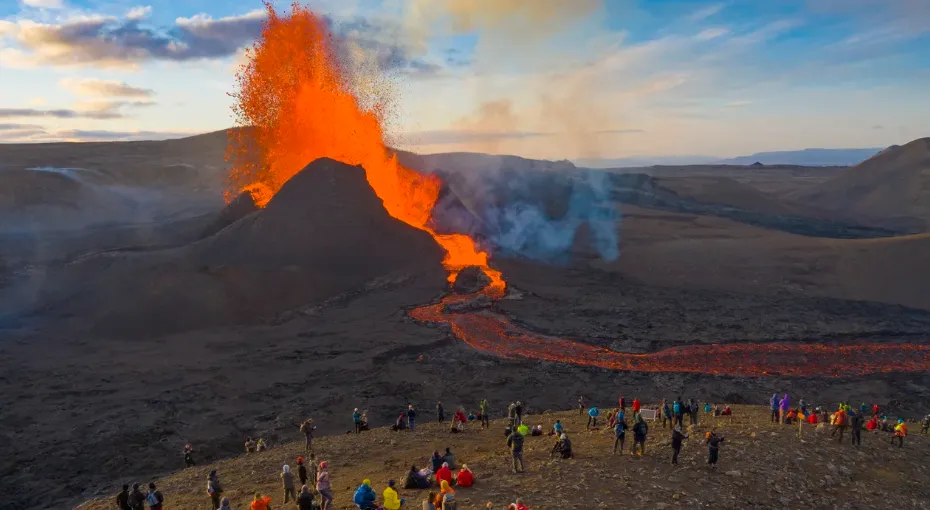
773,404
620,435
411,417
357,420
189,455
122,499
440,412
580,405
136,498
307,428
713,448
783,406
305,499
515,442
214,489
485,407
640,431
154,498
287,481
900,432
677,411
325,487
693,406
677,438
636,406
666,413
855,422
518,413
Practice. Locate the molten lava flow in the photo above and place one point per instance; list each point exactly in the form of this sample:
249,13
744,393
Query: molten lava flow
296,104
495,334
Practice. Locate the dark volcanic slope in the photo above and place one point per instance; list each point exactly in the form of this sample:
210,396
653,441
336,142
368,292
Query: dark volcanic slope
890,189
323,234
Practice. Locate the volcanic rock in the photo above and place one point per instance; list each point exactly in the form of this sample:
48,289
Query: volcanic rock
470,280
477,302
242,206
324,233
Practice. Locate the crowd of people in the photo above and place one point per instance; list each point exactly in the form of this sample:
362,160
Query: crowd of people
442,475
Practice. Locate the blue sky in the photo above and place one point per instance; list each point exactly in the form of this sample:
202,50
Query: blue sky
540,78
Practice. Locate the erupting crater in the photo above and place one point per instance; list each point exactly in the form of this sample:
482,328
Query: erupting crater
297,103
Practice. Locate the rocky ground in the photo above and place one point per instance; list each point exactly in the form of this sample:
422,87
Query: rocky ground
762,465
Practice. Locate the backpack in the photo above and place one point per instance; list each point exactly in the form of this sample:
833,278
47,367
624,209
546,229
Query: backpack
152,499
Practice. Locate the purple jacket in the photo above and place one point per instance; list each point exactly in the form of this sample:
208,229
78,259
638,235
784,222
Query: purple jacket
784,403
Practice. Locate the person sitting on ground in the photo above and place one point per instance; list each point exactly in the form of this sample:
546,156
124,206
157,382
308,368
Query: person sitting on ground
508,431
365,496
430,502
449,458
708,408
791,417
391,500
518,505
260,446
523,430
400,423
444,474
226,505
884,425
460,419
727,411
415,480
925,425
436,461
249,445
472,416
716,410
558,428
536,431
305,499
813,418
446,496
872,424
465,477
260,502
563,447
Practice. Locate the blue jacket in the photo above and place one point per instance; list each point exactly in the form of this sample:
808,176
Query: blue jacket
357,418
774,402
676,407
594,412
364,496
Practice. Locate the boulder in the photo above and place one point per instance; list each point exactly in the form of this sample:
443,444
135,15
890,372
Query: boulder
470,280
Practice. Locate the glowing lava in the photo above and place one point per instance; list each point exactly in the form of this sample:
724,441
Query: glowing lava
495,334
297,104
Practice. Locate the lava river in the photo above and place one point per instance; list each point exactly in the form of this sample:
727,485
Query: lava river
299,99
495,334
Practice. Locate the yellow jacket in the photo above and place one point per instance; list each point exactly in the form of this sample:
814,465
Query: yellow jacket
391,501
900,429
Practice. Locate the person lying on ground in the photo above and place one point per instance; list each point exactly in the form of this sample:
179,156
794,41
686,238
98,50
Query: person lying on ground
416,480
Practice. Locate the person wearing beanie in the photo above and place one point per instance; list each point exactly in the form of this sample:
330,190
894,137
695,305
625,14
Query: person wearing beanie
324,486
365,496
287,481
301,471
391,500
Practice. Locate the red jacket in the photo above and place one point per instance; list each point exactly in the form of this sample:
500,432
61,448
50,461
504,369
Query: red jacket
635,405
444,473
465,479
872,424
812,419
460,416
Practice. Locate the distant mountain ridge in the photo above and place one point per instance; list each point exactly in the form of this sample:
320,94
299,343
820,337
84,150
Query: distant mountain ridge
804,157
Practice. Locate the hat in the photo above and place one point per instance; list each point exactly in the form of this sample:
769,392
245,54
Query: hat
323,465
563,436
152,485
391,483
300,460
366,482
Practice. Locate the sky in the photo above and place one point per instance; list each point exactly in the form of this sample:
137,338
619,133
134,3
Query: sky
553,79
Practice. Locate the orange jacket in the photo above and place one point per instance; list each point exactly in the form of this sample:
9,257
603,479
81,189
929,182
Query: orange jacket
261,504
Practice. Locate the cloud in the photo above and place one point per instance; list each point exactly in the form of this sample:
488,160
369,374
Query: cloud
737,104
455,136
507,18
99,110
706,12
711,33
107,41
106,88
45,4
14,127
139,12
32,133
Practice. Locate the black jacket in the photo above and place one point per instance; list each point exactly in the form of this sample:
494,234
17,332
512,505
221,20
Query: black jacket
137,500
122,500
305,501
677,438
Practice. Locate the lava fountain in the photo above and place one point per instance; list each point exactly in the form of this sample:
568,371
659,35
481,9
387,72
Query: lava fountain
296,104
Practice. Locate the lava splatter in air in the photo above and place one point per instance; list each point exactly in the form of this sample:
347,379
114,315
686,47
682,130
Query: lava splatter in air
295,104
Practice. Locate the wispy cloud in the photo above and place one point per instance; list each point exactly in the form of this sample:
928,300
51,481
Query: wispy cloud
711,33
139,12
45,4
737,104
706,12
106,88
61,113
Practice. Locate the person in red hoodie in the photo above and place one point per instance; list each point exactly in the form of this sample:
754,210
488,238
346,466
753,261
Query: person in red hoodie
872,424
465,477
444,474
636,406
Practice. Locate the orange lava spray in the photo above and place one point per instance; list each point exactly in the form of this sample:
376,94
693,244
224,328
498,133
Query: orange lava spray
295,104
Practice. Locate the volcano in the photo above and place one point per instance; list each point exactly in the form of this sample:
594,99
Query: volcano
325,233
